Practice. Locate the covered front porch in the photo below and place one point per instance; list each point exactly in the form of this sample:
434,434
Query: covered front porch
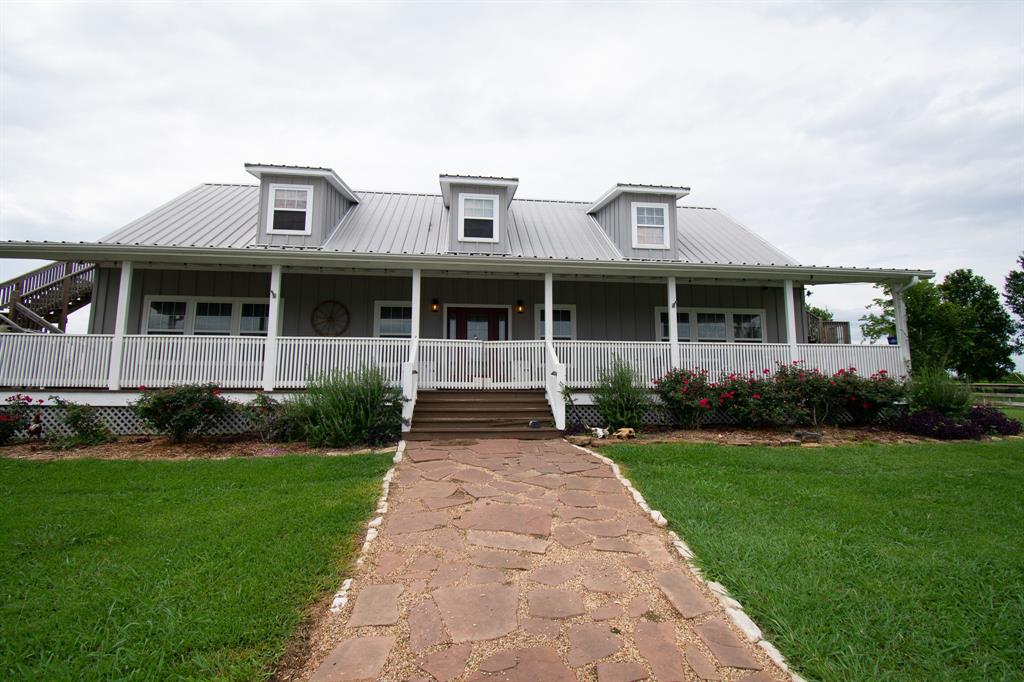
424,329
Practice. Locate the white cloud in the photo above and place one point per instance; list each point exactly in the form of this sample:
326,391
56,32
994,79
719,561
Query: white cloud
847,134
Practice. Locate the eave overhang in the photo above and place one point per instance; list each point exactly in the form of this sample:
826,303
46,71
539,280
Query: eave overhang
447,180
258,170
300,258
622,188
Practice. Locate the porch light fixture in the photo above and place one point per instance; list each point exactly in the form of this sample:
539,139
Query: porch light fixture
520,308
434,306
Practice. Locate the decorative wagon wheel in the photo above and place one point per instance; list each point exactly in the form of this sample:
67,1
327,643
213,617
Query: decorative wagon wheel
330,318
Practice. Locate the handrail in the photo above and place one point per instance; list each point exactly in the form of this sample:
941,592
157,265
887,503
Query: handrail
35,281
554,380
410,385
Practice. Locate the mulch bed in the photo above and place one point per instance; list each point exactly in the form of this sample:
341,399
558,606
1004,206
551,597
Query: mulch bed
830,436
159,448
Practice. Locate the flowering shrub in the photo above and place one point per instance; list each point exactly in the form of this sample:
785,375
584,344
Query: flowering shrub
182,412
865,398
14,416
789,396
686,394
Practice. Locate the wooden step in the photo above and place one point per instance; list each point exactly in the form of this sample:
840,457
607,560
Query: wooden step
475,413
445,433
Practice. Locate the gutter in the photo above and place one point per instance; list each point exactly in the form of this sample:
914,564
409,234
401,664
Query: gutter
65,251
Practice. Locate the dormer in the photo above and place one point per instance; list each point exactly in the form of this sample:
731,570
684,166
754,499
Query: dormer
640,219
299,205
478,212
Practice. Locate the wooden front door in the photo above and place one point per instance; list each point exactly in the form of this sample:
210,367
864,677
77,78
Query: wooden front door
478,324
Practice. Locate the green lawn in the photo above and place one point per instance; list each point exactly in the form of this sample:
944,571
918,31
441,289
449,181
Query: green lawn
860,562
1015,412
170,570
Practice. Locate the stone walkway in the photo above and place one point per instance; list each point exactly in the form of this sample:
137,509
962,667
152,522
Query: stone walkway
528,561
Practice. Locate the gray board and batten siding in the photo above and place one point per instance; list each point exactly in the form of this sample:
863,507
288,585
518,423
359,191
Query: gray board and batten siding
605,311
329,207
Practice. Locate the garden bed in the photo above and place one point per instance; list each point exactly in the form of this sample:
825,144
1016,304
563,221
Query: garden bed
160,448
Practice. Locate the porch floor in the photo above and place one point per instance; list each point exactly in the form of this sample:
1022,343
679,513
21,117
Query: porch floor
525,560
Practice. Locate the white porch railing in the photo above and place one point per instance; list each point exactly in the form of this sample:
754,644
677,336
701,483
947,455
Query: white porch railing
585,360
300,358
554,380
84,361
449,363
55,360
158,361
868,360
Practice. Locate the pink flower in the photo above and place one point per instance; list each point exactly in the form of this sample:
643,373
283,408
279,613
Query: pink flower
766,371
40,401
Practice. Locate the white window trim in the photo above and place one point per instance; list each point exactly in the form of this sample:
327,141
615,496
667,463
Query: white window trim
377,305
190,313
572,319
497,213
272,189
665,232
730,332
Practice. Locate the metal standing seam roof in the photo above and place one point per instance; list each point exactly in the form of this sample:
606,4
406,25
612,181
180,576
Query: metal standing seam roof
213,215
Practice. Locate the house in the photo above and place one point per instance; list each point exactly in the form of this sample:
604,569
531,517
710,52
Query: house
263,286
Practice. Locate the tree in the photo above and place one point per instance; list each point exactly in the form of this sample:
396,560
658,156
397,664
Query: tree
1014,295
958,325
820,313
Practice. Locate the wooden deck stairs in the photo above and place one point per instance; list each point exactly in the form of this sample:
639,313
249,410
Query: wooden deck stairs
41,300
448,415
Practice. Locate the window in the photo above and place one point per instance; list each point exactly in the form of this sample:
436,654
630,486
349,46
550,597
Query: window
710,325
166,317
650,226
682,325
478,218
206,316
255,319
212,318
564,318
290,209
393,319
746,328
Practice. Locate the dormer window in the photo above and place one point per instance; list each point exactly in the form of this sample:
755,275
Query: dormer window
478,218
650,226
290,209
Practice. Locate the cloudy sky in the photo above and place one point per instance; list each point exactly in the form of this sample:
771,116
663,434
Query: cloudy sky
847,134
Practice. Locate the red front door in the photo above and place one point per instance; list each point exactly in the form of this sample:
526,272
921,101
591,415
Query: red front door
478,324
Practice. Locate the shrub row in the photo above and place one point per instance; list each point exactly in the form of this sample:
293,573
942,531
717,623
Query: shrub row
788,396
337,410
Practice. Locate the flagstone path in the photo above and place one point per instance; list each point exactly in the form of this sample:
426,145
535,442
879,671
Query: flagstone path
528,561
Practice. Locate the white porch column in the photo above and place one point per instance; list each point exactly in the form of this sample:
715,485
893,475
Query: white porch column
273,324
416,296
673,324
124,290
899,309
787,288
549,308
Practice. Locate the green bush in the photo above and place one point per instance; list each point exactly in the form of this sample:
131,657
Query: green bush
339,410
182,412
269,419
866,399
621,396
85,425
13,416
686,395
934,389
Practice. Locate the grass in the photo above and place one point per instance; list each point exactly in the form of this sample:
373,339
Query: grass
861,562
1015,412
170,570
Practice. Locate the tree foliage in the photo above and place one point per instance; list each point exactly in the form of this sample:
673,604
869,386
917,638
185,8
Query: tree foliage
820,313
1013,292
958,324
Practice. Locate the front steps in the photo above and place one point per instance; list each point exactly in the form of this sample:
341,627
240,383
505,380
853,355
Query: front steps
448,415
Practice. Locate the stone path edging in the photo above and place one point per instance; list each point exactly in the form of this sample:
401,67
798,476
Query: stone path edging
732,607
341,596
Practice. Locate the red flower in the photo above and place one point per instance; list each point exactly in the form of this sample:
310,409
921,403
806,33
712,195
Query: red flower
216,391
867,406
756,396
40,401
705,403
766,371
142,388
